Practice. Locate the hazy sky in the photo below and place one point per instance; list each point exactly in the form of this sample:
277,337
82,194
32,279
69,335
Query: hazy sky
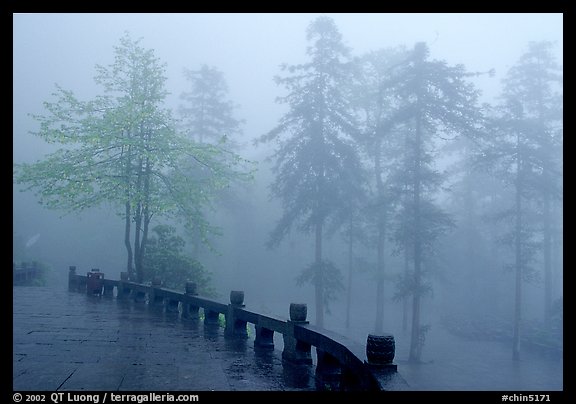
248,48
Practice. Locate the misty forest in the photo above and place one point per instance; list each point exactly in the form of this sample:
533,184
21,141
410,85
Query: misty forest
387,190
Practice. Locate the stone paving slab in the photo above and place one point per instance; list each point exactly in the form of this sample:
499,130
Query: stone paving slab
70,341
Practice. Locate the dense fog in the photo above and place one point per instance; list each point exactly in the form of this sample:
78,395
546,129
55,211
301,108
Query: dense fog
398,173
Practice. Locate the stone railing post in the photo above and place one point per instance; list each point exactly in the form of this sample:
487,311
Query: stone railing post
94,282
211,318
190,311
139,296
234,326
123,290
72,281
264,340
295,351
380,351
35,269
328,372
156,298
108,289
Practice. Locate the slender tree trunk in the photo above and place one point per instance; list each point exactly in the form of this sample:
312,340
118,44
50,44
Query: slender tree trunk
406,199
350,268
137,232
405,298
146,215
319,279
138,226
547,247
380,264
556,242
128,214
518,265
127,244
547,259
473,286
415,348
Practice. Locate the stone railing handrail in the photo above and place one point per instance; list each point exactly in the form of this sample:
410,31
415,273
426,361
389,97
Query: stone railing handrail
343,364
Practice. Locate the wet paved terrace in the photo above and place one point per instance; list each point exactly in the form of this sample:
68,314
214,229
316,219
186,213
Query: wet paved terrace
71,341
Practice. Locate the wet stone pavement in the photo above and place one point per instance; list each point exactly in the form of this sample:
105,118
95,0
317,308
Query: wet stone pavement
70,341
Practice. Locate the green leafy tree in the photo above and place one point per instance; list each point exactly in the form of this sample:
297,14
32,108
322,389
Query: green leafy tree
317,166
121,148
165,258
207,116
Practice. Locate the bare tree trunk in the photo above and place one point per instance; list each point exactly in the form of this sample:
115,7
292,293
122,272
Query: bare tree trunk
379,324
147,216
518,265
350,268
319,278
129,265
405,298
138,226
547,260
128,214
415,348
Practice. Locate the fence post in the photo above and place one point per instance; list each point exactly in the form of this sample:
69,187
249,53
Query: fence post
234,326
156,297
380,351
123,289
296,351
72,281
189,310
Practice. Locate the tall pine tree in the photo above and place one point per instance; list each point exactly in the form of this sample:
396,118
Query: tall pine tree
317,168
435,102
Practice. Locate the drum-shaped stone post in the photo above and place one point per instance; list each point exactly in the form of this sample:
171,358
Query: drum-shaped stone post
237,298
380,352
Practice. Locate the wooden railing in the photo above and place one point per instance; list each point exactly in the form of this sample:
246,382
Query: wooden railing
342,364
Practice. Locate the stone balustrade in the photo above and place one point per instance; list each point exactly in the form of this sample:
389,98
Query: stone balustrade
342,364
25,272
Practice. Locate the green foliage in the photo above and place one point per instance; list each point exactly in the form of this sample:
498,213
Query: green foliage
206,115
317,167
318,171
331,279
41,276
123,149
521,149
407,285
164,257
